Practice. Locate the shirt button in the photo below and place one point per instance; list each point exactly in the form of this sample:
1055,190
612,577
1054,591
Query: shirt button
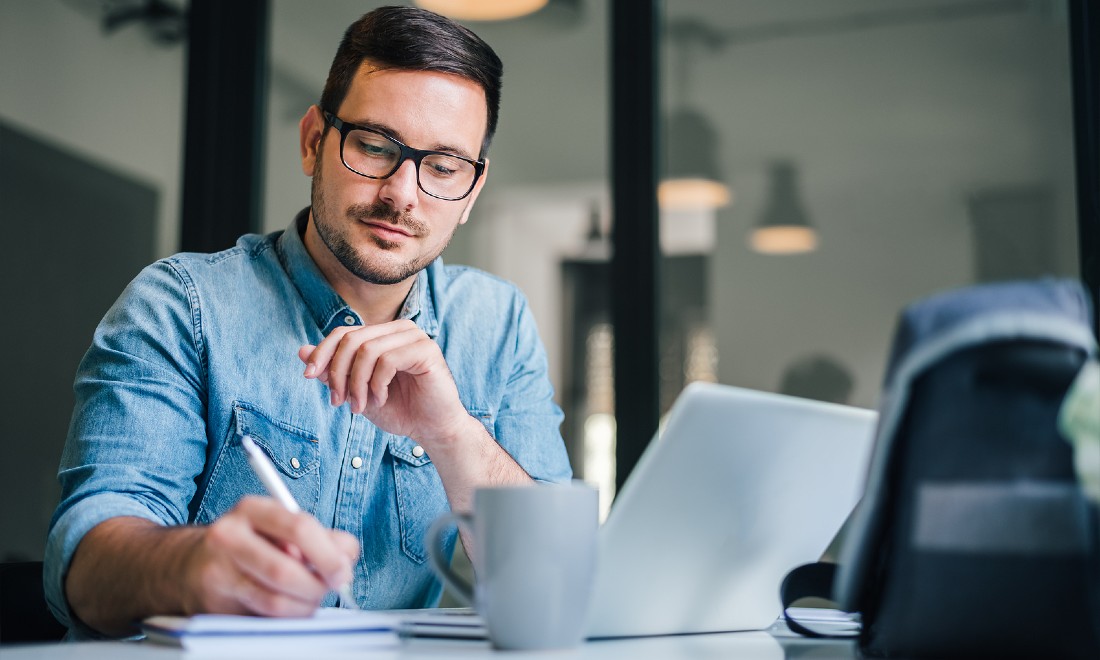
349,320
357,462
418,451
295,463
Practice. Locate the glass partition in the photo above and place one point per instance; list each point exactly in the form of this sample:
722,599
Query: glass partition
870,153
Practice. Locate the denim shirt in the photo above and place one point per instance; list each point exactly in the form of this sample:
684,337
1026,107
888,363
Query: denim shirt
201,349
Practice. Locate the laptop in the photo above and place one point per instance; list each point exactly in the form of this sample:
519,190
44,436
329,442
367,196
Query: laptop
739,488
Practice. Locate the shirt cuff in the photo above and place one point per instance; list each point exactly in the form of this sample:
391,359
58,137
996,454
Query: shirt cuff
65,535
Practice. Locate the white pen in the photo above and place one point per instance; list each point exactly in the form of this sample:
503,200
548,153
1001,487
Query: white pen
274,484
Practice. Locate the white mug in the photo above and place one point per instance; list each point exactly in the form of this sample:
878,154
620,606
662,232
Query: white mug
534,558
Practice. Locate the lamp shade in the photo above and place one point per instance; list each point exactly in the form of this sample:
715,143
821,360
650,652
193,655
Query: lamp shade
482,10
784,227
692,177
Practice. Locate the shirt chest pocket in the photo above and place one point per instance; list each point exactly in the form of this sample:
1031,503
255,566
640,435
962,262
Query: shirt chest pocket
420,496
293,451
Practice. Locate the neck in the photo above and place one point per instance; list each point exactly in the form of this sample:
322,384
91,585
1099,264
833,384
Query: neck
375,303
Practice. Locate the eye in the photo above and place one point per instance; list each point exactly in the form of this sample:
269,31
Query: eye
373,146
441,170
372,149
443,166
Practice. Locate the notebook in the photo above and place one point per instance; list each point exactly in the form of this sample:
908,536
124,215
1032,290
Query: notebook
740,487
329,629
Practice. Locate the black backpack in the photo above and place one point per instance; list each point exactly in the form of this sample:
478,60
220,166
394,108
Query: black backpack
973,537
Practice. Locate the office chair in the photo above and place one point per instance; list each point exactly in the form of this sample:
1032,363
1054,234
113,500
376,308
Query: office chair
24,616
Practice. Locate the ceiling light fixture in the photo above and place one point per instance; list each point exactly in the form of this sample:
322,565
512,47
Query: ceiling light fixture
784,227
483,10
692,179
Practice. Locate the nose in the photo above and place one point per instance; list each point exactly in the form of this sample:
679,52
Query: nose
400,189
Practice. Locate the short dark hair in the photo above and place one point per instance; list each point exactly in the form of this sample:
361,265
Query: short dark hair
417,40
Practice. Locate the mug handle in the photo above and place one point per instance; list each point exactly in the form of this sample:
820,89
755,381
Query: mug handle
463,590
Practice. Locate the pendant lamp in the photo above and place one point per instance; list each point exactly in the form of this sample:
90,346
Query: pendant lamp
784,227
692,178
482,10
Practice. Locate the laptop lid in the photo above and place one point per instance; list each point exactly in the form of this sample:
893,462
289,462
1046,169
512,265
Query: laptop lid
740,487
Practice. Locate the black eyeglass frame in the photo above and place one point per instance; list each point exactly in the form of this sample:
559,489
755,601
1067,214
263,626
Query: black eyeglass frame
407,153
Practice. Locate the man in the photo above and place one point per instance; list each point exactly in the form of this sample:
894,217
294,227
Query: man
384,386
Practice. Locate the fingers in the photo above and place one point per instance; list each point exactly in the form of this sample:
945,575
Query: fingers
257,598
346,360
323,352
321,556
254,576
393,373
373,365
242,566
317,357
304,354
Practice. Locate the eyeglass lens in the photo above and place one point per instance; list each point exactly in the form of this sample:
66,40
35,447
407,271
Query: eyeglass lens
377,156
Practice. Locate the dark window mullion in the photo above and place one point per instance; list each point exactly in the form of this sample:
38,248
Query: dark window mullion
1085,63
226,106
634,234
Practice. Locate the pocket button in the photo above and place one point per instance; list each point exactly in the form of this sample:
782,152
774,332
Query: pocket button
295,463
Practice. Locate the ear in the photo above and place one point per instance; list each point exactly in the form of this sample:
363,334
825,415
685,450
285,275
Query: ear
310,130
474,193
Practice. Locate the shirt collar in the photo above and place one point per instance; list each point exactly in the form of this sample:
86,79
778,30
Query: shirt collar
326,306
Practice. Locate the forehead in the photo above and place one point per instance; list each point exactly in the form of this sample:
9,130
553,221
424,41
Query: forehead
423,108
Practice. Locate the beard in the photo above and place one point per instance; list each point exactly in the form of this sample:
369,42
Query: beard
384,267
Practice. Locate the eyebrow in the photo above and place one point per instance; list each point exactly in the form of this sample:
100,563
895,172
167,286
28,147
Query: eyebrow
395,134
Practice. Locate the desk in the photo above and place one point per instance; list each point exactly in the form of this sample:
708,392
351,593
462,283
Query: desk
773,645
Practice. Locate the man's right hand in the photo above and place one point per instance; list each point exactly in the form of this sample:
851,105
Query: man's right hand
257,559
261,559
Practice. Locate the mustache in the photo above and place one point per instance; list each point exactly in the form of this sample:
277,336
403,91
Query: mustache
381,211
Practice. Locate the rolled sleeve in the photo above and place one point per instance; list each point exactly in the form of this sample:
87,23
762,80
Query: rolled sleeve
528,424
65,535
137,439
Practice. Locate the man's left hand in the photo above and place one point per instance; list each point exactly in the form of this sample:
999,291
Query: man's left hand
392,373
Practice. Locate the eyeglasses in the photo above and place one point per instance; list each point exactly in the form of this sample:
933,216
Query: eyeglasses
375,155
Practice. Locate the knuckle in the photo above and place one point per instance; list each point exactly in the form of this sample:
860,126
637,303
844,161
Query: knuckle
301,527
278,573
220,533
336,370
365,350
353,333
384,363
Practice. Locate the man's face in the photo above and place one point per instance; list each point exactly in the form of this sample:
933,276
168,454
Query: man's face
386,230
